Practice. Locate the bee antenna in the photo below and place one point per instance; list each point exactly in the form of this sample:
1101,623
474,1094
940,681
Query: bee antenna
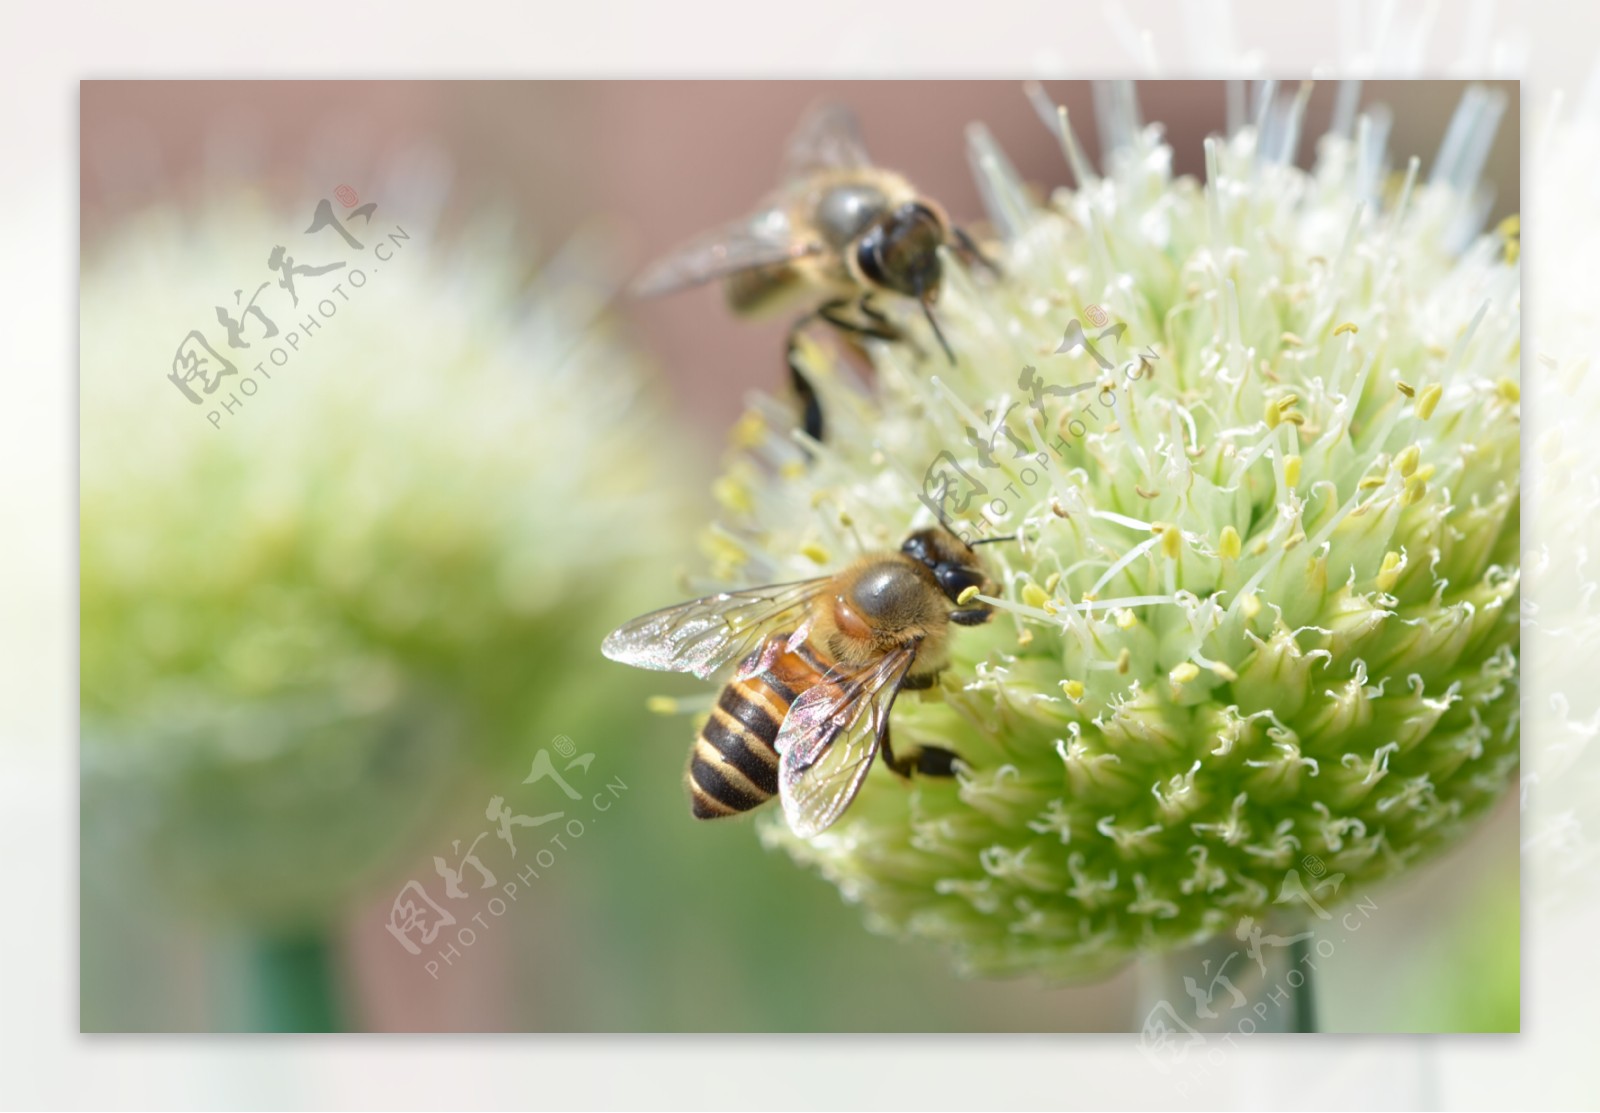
992,540
933,323
938,512
861,546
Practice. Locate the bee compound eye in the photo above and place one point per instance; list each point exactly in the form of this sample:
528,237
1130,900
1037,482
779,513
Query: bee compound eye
880,592
906,253
870,259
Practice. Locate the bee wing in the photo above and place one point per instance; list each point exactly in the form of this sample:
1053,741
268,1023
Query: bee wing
703,635
763,240
827,138
829,738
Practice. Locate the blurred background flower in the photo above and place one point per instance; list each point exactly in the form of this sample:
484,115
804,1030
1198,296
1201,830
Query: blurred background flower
329,604
623,938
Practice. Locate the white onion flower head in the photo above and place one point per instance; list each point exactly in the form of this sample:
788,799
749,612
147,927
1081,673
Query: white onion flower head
1262,608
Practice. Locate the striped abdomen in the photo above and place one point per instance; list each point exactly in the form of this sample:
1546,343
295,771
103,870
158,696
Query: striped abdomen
734,766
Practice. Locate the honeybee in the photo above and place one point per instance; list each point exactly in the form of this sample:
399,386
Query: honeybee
838,232
820,664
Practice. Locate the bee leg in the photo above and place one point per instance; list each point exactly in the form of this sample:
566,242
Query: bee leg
878,317
900,767
936,761
974,616
929,761
968,248
878,327
810,405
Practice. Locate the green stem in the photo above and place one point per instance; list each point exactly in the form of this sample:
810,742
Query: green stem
295,988
1305,1008
1236,983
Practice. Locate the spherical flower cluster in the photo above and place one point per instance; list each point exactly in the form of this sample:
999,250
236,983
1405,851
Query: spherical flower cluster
1257,438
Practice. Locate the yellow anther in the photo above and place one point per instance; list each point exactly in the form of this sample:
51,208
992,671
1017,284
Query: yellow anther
1291,471
1185,672
814,552
1389,571
1407,459
1510,230
1406,388
1346,327
662,705
732,495
1228,545
1126,619
750,430
1124,661
1171,538
1430,398
1032,594
1072,689
1249,604
968,594
723,551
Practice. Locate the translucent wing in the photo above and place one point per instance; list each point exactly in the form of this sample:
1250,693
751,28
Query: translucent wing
829,738
828,138
764,240
703,635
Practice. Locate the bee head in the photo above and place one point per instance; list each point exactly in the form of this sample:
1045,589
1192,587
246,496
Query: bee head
952,561
901,252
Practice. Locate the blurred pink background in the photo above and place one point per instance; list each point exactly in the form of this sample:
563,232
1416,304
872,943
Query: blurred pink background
657,161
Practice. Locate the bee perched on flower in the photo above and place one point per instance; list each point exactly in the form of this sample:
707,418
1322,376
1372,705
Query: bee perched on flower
1261,609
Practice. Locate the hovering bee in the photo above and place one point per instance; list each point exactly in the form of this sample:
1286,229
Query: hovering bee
837,233
820,664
